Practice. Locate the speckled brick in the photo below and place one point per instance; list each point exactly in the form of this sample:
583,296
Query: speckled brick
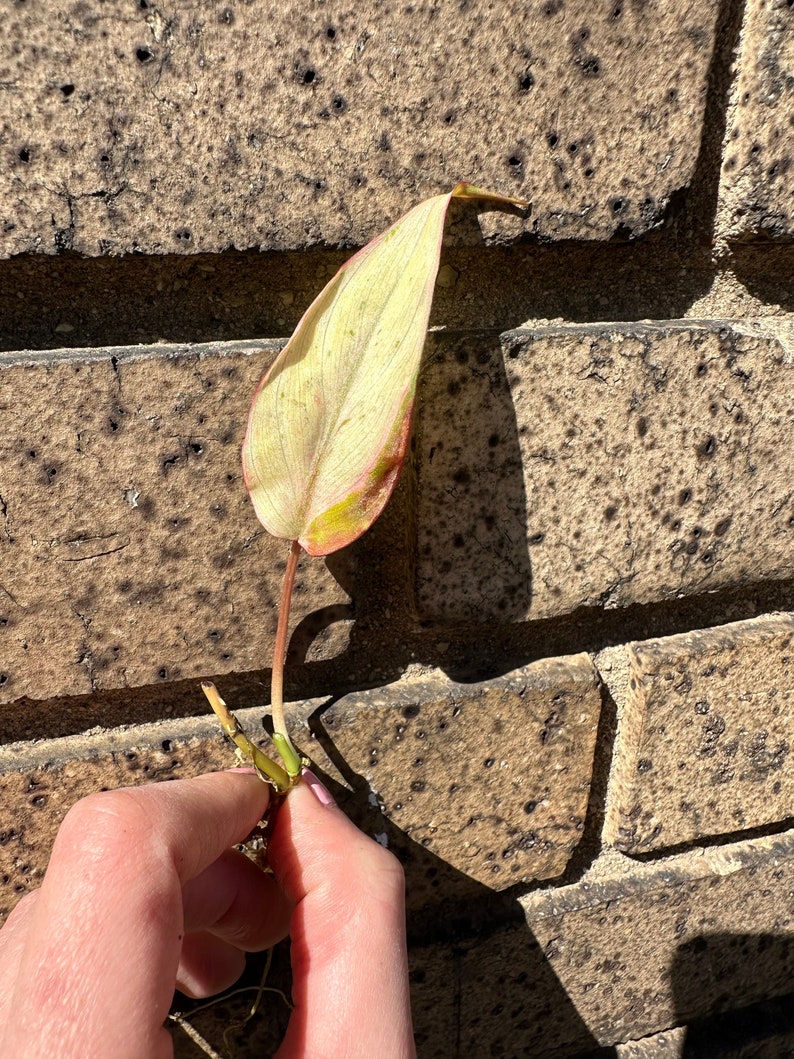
153,128
626,952
757,191
705,736
130,553
600,466
489,779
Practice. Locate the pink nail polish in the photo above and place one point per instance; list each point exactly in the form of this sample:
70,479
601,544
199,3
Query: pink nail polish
318,789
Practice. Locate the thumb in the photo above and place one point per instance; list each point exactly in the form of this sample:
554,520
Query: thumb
349,962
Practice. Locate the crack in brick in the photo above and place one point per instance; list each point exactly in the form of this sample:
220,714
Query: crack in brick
120,542
4,513
64,237
11,597
114,364
86,654
96,555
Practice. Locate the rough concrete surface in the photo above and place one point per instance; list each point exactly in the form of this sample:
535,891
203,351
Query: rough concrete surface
130,553
704,737
201,126
50,302
621,954
757,192
667,1045
492,778
601,466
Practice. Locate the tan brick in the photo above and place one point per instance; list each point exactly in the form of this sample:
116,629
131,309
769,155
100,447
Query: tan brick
602,465
490,779
667,1045
199,128
704,736
129,551
757,193
619,955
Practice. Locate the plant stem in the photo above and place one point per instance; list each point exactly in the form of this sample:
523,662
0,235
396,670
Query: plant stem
274,773
280,735
280,646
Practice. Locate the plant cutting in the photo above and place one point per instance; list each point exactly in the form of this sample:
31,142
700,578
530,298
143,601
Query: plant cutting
329,424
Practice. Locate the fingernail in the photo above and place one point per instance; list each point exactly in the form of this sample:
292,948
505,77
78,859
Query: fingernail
318,789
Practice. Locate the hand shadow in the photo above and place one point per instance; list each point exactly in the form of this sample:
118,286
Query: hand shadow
481,985
731,976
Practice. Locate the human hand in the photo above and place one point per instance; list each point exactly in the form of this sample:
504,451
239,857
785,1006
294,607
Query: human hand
143,894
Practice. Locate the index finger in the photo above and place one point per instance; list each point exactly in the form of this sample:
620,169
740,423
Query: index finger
190,821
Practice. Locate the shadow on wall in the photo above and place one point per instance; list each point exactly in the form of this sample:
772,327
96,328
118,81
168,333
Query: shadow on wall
481,985
472,552
719,972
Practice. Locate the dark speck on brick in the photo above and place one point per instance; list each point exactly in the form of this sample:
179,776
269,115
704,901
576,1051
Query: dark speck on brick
707,447
590,65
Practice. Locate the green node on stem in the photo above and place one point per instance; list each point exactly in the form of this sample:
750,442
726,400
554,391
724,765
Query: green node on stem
289,755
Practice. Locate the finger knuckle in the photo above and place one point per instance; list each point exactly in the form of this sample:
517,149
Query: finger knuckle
110,818
388,866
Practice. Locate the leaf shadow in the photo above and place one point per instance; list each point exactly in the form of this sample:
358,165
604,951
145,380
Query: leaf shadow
472,547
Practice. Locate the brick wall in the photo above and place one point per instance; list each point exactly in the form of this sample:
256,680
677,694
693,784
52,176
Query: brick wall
556,676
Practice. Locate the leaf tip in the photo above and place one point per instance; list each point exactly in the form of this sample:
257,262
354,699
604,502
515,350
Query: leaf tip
464,190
